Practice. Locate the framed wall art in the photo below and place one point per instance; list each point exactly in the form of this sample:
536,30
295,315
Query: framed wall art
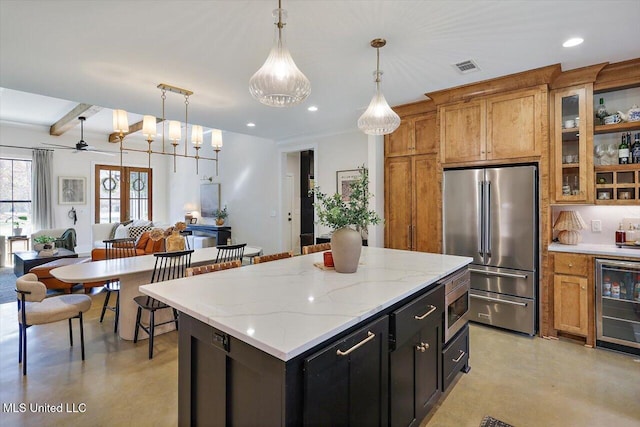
72,190
344,180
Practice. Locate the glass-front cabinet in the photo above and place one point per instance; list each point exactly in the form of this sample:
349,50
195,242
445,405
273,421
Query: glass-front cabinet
572,155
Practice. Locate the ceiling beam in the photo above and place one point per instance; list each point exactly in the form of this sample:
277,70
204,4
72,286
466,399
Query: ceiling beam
136,127
69,120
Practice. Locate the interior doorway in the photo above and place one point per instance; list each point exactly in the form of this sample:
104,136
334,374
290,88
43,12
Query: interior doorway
297,204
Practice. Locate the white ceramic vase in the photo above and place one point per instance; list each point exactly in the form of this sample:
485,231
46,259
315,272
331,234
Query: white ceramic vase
346,245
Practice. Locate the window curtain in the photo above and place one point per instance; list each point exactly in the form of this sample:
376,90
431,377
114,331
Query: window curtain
42,189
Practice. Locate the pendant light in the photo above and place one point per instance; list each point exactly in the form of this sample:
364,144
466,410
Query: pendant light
379,118
279,83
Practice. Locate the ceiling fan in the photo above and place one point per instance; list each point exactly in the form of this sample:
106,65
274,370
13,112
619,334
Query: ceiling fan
81,145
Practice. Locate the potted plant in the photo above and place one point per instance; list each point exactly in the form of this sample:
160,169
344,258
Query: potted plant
349,219
43,242
220,215
17,222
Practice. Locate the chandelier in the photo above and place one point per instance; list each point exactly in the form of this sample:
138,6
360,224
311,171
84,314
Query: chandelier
149,130
279,82
379,118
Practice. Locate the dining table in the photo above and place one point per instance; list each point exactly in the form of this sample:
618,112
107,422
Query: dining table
133,272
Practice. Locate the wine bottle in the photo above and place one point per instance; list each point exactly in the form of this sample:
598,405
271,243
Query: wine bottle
623,151
635,149
601,112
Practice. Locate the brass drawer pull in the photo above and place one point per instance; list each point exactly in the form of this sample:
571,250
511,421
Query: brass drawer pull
462,353
370,336
433,308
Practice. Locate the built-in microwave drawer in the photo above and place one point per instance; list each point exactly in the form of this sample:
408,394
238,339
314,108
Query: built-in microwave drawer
411,318
455,356
572,264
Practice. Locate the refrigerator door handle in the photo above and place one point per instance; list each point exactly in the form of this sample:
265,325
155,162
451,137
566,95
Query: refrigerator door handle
495,273
487,218
499,301
480,219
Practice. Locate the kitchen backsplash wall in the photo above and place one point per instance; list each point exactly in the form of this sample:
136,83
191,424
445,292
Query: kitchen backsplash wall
610,217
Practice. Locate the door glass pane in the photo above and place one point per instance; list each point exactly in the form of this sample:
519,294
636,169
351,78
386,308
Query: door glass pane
570,146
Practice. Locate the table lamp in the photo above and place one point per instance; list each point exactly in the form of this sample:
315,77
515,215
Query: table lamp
568,224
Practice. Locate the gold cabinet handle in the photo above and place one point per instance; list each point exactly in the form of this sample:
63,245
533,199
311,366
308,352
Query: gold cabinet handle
570,265
433,308
462,353
370,336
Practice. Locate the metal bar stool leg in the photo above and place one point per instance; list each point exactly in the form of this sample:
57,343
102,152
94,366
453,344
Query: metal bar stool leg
81,335
152,325
70,334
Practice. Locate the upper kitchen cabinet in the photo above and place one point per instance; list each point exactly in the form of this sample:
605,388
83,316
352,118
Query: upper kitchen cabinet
499,127
572,155
416,135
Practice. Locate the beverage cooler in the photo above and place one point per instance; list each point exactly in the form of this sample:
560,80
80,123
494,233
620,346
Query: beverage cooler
618,305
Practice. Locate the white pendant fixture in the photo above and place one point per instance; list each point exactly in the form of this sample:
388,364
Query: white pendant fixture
379,118
279,82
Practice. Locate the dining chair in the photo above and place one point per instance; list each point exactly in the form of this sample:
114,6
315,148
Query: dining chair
168,266
272,257
116,248
35,309
306,250
210,268
230,252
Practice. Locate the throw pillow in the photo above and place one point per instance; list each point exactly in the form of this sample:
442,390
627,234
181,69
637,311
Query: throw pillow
121,232
112,234
136,232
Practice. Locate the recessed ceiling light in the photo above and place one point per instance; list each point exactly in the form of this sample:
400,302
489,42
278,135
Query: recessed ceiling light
575,41
251,125
313,108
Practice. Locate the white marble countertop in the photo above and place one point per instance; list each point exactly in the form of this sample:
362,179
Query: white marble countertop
288,306
595,249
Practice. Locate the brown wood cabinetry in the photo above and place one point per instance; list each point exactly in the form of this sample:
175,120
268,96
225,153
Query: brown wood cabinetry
499,127
412,203
416,135
573,295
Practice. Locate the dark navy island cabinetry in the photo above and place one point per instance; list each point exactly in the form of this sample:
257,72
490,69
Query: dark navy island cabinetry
312,363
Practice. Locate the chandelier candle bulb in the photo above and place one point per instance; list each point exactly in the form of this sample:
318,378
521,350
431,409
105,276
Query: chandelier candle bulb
120,121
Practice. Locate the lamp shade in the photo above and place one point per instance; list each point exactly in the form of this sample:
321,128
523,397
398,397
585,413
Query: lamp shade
279,82
216,138
379,118
569,224
196,135
120,121
149,127
174,130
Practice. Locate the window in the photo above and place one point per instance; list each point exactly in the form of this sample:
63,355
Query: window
15,194
121,198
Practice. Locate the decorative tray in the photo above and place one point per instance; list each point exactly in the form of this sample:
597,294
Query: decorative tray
635,245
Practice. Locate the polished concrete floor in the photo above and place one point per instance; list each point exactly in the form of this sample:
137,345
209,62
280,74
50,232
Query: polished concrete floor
522,381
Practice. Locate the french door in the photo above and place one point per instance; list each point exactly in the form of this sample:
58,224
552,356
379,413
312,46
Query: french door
122,194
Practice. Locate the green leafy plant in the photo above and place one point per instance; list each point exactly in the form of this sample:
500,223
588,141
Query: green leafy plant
221,213
17,221
336,213
44,239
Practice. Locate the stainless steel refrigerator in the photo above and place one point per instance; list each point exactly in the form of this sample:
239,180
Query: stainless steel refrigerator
491,215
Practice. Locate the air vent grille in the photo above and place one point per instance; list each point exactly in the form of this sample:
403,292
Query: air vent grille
468,66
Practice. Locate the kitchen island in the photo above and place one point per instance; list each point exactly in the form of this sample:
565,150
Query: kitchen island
251,338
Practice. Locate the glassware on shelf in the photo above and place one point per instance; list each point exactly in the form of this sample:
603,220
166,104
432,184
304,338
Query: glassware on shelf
599,151
612,153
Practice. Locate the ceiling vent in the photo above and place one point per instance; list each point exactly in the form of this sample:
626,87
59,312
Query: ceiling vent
465,67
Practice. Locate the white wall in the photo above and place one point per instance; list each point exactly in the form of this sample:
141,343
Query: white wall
331,153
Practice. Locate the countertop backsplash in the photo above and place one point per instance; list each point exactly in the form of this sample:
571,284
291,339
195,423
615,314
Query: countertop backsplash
610,217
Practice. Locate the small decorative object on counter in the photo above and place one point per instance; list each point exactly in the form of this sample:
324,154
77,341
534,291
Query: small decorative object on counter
620,235
569,224
328,259
601,112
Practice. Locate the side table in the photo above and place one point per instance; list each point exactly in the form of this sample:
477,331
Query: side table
13,239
